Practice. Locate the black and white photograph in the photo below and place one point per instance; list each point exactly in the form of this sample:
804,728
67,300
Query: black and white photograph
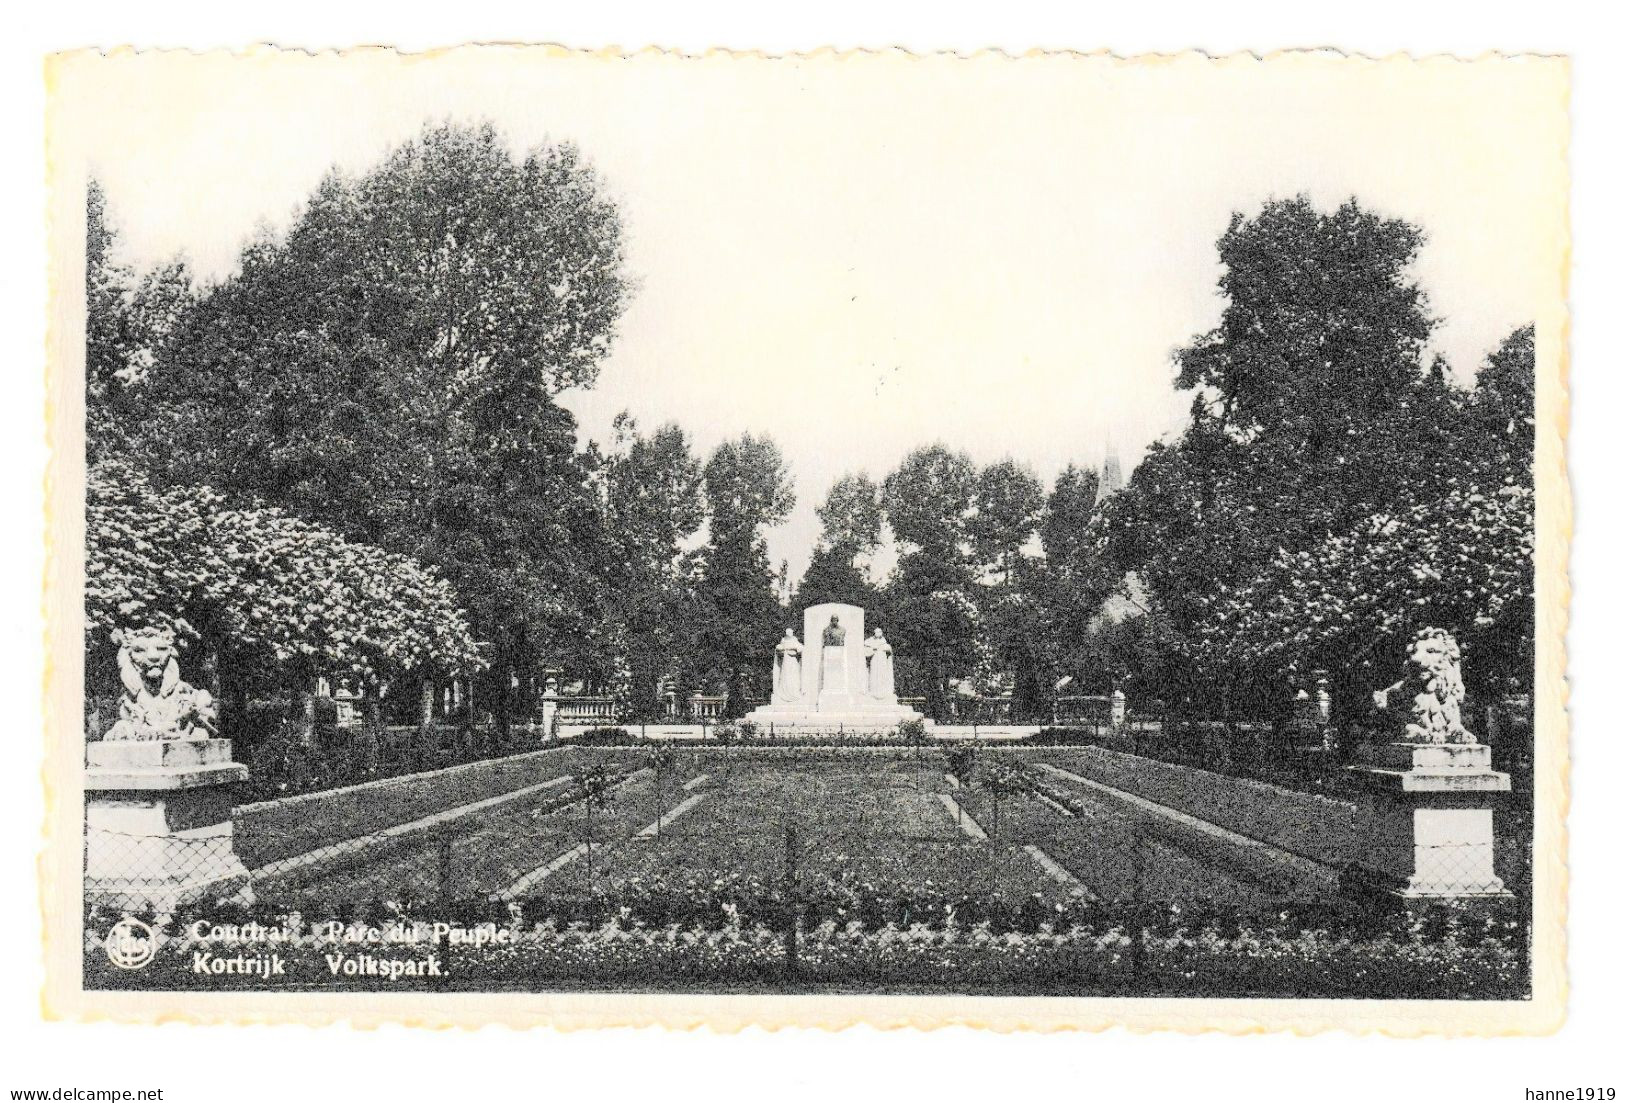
1056,540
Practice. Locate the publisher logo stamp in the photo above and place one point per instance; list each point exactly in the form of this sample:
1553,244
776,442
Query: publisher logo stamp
131,944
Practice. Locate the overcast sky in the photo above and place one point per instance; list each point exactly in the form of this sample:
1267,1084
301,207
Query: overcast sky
860,256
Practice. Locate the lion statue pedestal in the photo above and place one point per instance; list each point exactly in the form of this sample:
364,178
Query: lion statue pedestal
1432,823
157,807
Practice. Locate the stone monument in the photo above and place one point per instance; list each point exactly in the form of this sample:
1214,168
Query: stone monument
877,655
1433,822
837,681
157,806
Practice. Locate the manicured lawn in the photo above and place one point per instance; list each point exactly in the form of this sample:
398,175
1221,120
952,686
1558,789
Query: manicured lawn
870,823
487,853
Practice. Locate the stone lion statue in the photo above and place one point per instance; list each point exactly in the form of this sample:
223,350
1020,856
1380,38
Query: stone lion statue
1431,691
156,703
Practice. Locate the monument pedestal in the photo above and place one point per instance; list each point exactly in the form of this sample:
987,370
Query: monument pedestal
788,720
158,823
1432,825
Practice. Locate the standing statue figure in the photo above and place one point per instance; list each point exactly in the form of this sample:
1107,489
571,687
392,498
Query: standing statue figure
832,660
156,703
878,658
1429,697
787,668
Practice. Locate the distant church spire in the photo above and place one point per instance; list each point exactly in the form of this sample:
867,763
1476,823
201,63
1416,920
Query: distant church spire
1111,475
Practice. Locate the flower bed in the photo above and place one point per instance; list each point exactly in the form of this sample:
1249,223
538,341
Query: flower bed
865,824
1091,953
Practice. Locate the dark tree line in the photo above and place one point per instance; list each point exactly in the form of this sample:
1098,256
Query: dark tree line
389,370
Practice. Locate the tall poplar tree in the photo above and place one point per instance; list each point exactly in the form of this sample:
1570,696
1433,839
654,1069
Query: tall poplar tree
747,491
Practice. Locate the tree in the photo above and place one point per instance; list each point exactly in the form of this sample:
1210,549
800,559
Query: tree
1350,603
930,501
597,787
1069,585
129,320
1327,470
389,368
1009,506
1322,324
663,760
961,767
1064,531
832,576
1313,372
1503,398
851,515
1457,553
747,489
1003,781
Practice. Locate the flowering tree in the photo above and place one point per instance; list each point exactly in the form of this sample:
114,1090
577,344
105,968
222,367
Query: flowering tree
257,581
1458,552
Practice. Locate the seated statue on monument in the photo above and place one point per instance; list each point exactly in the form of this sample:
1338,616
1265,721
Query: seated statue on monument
156,704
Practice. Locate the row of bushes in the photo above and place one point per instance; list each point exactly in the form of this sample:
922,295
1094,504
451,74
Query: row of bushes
1446,954
288,765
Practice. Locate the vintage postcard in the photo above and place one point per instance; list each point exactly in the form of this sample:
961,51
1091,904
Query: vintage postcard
1062,541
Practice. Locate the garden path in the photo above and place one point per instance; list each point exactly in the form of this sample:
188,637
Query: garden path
540,873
